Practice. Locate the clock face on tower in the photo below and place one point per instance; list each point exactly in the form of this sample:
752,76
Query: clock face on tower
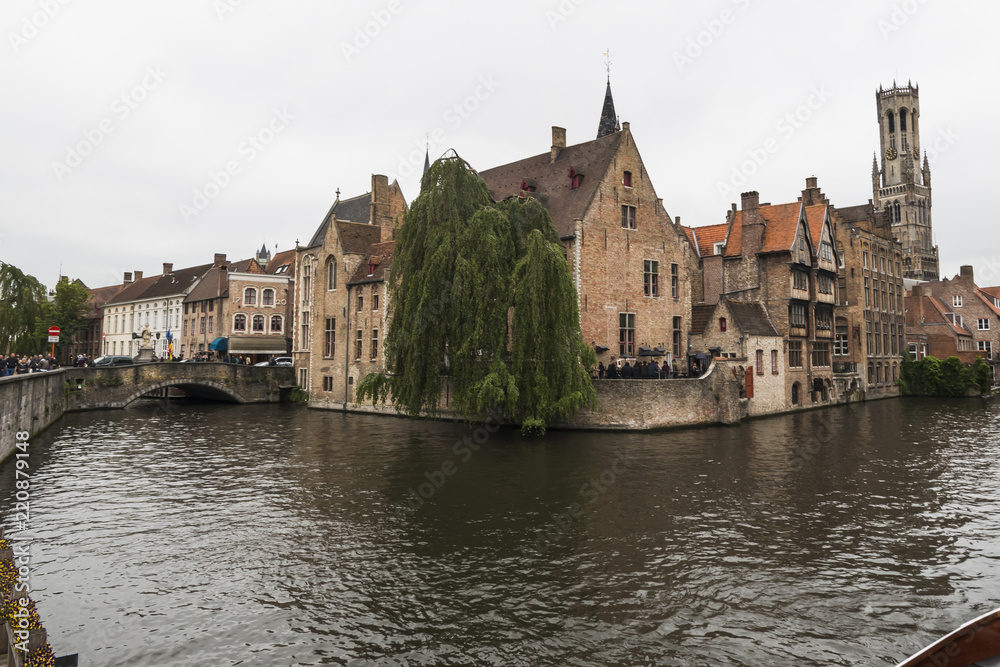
890,153
916,154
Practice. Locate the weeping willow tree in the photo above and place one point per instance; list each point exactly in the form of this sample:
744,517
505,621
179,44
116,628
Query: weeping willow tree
481,292
21,299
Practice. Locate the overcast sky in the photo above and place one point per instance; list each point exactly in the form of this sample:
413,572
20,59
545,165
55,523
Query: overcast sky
136,133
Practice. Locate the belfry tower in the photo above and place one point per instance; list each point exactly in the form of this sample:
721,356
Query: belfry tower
902,186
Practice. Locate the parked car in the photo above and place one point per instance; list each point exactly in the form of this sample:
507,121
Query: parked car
113,360
276,361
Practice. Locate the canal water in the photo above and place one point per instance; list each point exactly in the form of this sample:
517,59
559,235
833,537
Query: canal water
247,535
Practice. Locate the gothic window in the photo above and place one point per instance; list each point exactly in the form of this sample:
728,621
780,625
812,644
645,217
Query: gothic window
331,274
892,122
896,214
902,120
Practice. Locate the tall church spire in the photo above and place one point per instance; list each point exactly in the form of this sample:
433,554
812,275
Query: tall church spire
609,120
427,155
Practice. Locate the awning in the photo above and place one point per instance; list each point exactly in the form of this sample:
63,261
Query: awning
257,345
651,352
600,349
219,344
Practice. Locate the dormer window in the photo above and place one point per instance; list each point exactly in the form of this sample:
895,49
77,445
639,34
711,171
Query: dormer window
627,179
718,247
575,178
372,265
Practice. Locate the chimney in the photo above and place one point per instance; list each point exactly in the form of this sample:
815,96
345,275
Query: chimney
381,212
128,278
558,142
753,228
811,182
167,268
967,273
220,259
625,126
138,276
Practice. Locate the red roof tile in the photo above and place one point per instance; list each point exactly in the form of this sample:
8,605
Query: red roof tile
705,238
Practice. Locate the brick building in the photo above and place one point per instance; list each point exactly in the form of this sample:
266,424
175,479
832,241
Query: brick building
631,263
90,340
869,326
972,313
341,294
784,258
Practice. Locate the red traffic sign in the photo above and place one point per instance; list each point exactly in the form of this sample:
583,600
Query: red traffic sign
53,331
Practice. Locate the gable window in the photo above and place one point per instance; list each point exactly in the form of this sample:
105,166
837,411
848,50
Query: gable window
276,322
249,298
983,324
795,354
675,281
258,324
956,301
797,315
840,347
722,324
575,178
331,274
628,217
239,322
330,340
826,251
650,278
627,179
800,280
626,334
266,298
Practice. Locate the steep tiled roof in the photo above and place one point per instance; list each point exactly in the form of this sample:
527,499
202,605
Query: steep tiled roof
991,291
355,209
815,216
943,310
751,318
284,258
780,222
133,291
592,159
700,317
100,296
209,287
175,282
246,266
381,255
357,238
705,238
988,300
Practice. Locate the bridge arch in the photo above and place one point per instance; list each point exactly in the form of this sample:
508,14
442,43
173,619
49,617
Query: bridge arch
197,388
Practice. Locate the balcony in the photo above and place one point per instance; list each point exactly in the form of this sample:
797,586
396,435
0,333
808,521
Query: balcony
845,367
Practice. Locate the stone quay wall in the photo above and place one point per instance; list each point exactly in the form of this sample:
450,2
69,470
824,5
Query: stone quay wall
29,403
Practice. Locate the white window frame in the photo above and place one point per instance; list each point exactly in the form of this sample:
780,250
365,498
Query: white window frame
956,301
983,324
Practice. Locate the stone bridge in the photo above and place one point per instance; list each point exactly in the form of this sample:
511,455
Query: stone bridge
117,386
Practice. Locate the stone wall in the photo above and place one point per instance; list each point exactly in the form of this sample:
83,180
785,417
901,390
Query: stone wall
29,403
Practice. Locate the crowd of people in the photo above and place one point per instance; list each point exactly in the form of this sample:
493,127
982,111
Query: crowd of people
633,370
15,365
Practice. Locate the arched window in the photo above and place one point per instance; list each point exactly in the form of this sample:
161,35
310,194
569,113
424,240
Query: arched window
892,122
897,215
258,324
267,297
276,324
902,120
795,394
722,324
331,274
240,322
250,297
